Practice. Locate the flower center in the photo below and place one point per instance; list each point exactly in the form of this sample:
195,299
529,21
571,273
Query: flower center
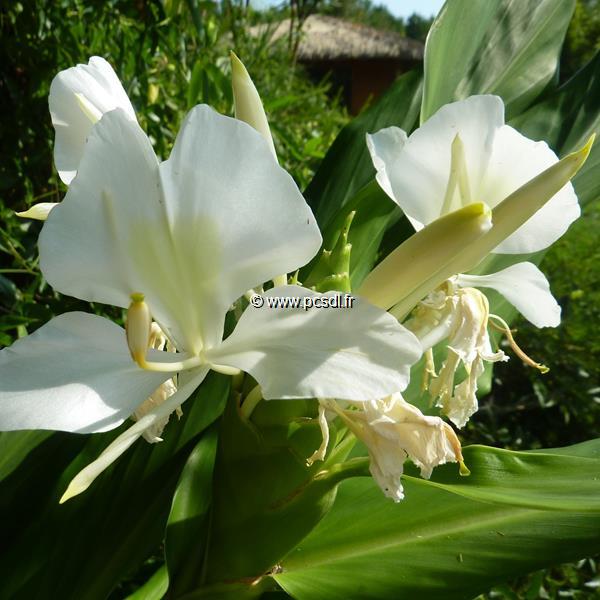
458,180
139,330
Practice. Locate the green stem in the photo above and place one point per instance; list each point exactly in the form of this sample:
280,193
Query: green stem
355,467
250,402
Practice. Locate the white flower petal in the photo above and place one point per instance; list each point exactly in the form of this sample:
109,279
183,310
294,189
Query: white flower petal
39,211
86,476
354,353
515,161
418,173
78,96
238,216
385,147
73,374
497,160
109,237
218,218
525,287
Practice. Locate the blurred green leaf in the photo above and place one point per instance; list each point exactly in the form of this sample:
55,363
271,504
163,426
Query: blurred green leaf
347,166
505,47
155,588
566,119
440,545
188,524
129,502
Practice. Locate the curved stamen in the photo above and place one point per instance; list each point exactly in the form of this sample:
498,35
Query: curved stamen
505,329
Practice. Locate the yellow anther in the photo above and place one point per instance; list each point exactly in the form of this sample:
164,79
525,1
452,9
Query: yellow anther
138,328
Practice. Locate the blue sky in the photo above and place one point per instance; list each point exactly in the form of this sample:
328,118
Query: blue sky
400,8
405,8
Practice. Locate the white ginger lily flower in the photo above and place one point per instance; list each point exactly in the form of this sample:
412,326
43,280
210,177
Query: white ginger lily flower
78,98
393,431
465,153
191,235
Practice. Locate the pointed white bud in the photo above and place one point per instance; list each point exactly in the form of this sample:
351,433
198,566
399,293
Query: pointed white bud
425,260
39,211
248,105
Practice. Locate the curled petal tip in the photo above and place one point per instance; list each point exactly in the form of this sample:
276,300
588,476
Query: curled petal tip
463,469
38,211
74,489
580,156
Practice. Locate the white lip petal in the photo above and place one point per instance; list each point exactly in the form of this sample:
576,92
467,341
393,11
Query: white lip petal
113,451
218,218
525,287
99,88
237,216
385,148
419,169
515,161
354,353
73,374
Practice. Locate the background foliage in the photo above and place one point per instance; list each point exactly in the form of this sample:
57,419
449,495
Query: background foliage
173,54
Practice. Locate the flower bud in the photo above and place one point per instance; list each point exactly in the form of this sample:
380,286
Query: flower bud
38,211
248,106
426,259
522,204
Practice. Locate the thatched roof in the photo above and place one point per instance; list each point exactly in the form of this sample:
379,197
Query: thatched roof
331,38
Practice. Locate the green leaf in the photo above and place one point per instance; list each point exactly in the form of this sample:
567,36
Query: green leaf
345,179
436,544
187,528
541,480
568,116
15,446
566,119
511,49
155,588
266,497
347,166
115,525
